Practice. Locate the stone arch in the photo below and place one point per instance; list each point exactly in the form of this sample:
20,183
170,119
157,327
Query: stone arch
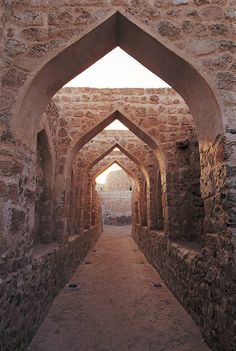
125,152
154,52
116,115
44,190
92,164
145,209
119,29
125,169
136,215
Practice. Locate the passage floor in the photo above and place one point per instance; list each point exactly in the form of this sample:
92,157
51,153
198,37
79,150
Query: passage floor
116,306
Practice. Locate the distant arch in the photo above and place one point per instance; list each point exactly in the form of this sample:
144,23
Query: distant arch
125,152
125,169
137,216
116,115
145,209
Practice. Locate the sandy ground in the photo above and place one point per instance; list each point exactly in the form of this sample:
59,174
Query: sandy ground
117,307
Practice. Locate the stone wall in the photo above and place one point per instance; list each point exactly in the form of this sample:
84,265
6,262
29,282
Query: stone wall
138,184
32,285
97,209
117,181
116,195
40,191
116,207
33,272
202,279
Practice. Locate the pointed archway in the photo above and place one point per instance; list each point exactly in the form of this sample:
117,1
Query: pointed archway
136,195
134,38
93,132
119,163
125,152
116,115
144,210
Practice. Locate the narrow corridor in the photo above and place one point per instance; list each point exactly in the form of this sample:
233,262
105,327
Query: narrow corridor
116,306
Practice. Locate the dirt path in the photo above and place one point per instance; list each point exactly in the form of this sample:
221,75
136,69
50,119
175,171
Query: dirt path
116,307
